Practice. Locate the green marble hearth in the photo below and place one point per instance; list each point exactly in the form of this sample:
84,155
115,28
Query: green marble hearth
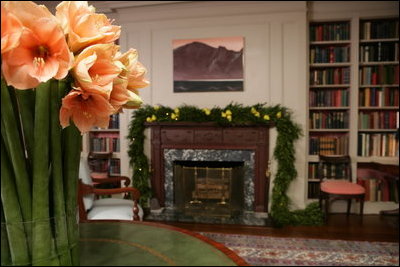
145,244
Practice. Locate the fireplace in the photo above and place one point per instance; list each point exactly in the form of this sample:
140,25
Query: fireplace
204,188
207,173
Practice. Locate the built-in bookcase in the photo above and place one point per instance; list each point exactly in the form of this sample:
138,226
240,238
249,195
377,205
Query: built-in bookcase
329,93
378,108
358,117
107,140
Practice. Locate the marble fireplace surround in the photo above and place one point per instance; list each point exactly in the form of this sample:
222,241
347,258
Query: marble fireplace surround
186,141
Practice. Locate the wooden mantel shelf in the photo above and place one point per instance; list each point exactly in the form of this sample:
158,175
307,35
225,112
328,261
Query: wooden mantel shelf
201,124
208,135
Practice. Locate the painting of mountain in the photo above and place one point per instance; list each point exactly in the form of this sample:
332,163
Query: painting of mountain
208,65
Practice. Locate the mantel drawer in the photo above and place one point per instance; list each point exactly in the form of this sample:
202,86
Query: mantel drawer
177,136
241,136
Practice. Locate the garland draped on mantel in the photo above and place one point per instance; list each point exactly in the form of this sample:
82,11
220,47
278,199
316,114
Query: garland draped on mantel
232,115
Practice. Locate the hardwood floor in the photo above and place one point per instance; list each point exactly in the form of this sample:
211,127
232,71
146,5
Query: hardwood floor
338,226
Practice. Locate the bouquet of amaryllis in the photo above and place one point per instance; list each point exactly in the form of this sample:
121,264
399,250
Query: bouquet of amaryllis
61,75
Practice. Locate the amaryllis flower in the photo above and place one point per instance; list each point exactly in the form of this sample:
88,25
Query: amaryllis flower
130,79
134,70
42,52
121,97
11,30
95,69
86,110
83,26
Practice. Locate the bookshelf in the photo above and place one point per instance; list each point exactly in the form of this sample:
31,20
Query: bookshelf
378,103
353,103
103,141
329,109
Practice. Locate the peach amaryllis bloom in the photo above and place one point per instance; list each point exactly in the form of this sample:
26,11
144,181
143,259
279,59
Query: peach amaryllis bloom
95,69
86,110
42,52
130,79
121,97
134,70
11,30
85,27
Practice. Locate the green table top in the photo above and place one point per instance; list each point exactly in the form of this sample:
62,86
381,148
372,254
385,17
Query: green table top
149,244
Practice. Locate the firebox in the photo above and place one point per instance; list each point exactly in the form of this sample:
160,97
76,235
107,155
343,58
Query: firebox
208,188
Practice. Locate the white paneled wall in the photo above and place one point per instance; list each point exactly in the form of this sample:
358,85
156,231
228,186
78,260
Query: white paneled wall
274,59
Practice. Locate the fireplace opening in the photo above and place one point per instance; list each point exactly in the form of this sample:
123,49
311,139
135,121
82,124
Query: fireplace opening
209,188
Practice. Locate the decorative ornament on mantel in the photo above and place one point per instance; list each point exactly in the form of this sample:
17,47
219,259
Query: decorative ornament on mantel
232,115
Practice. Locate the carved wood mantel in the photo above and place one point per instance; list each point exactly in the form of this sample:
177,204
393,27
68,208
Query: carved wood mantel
188,135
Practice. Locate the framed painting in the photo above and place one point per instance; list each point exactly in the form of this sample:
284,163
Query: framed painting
208,64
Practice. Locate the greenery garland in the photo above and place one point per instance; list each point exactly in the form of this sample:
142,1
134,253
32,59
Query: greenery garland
232,115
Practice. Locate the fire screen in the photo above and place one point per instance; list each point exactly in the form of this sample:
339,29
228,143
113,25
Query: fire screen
209,187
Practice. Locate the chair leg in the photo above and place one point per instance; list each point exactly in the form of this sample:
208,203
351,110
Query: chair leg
348,206
320,202
326,206
362,206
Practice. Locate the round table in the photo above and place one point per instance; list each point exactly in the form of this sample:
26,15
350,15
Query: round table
106,243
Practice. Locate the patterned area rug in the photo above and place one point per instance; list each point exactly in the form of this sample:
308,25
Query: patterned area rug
270,251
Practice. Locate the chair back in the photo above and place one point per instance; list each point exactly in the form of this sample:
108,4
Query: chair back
337,167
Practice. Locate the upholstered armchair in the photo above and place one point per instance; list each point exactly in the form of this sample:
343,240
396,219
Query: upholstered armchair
93,208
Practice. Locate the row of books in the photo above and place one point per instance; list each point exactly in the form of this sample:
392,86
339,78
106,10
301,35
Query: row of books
330,32
329,145
378,119
379,52
330,54
330,171
329,120
379,29
112,166
379,97
329,98
330,76
382,74
380,189
378,144
104,144
115,167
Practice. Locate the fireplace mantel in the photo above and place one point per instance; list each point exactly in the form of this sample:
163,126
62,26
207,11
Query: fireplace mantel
189,135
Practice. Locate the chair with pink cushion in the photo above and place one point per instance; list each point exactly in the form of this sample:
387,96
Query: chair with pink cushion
335,176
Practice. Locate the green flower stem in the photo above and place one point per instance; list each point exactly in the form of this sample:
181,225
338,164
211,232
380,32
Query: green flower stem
5,248
26,105
72,150
61,232
16,152
42,243
17,240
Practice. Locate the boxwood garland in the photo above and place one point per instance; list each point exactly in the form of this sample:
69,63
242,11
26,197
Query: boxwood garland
233,114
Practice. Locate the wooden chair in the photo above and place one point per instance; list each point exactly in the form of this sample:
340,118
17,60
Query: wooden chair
91,208
336,183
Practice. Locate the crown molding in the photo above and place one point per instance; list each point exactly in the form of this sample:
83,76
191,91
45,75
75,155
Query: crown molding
110,6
